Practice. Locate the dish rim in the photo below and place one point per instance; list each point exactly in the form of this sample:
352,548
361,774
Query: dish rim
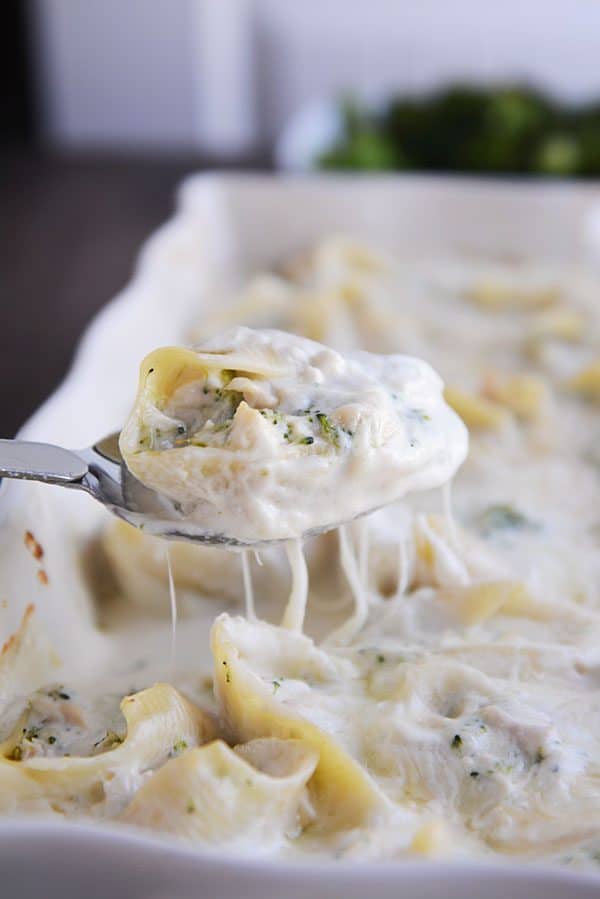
349,871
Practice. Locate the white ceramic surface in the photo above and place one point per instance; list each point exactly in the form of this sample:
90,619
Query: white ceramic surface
79,862
225,227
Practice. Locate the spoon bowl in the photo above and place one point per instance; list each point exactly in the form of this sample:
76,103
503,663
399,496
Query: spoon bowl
100,471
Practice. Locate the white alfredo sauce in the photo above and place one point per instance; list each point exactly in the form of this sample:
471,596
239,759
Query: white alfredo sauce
452,708
265,435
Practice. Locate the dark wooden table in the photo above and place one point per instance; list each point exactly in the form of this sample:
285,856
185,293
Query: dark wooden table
69,232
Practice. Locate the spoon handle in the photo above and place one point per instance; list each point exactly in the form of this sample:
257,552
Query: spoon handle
40,462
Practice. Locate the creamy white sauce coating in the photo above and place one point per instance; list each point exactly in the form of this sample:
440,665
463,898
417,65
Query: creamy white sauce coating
461,718
265,435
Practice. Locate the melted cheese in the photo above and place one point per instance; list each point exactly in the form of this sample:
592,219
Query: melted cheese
172,607
248,589
453,709
263,435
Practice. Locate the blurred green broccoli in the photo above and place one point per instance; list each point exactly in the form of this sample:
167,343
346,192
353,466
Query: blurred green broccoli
364,144
504,129
559,154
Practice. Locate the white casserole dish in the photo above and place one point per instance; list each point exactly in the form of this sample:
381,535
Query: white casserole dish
224,227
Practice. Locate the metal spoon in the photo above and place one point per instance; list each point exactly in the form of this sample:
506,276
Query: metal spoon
101,472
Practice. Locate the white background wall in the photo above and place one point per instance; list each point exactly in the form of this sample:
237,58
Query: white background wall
225,75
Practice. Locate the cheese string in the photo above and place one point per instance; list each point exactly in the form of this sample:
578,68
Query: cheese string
293,617
403,569
350,569
248,591
173,607
363,551
449,517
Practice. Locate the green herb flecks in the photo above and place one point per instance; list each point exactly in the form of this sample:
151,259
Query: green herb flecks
227,673
58,693
419,415
108,741
290,426
504,517
214,415
272,415
329,431
180,746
